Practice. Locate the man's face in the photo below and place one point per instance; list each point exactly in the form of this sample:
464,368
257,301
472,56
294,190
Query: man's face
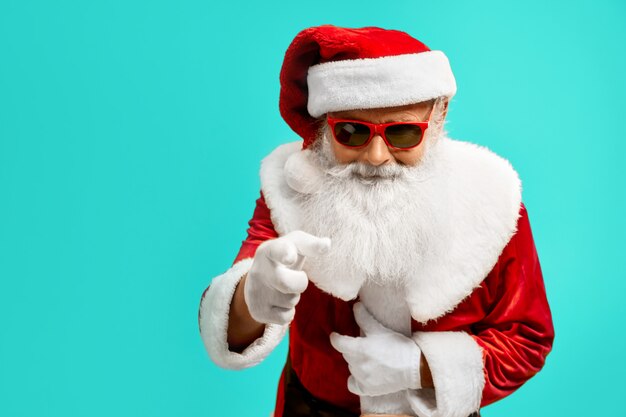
377,153
380,207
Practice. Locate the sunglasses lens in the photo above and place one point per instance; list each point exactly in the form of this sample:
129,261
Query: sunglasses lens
404,136
351,134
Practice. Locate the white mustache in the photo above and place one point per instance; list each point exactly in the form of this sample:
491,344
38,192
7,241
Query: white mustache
363,171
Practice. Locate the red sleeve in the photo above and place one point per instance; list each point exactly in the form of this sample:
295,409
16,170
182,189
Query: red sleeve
261,229
517,334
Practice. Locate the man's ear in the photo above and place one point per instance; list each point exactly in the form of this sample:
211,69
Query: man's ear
445,107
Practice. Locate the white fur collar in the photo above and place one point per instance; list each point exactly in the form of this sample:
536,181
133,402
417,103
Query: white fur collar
483,202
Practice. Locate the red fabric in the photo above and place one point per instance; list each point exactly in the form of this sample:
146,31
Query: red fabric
326,43
508,315
261,229
517,333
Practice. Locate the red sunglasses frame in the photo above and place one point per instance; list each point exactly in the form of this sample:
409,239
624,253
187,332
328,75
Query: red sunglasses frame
379,129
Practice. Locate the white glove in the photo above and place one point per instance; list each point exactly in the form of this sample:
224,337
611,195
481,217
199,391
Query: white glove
275,280
382,362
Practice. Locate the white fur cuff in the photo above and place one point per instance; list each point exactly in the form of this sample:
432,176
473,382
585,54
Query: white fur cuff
214,311
456,364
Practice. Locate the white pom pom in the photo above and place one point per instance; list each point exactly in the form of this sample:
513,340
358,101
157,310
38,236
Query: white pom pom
302,173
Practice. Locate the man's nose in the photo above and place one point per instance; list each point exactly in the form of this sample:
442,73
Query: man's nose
377,152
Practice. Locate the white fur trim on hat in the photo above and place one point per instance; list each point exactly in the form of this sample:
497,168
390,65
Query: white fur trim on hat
379,82
456,364
214,311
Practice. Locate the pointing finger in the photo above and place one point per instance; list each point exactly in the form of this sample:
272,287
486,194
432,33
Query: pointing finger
307,244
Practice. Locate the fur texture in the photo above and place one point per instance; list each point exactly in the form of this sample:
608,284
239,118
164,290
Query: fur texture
378,82
283,206
470,203
214,310
302,174
456,364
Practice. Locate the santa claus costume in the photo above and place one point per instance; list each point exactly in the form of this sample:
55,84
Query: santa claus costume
472,297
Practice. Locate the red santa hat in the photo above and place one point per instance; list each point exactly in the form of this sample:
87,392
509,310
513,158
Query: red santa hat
329,68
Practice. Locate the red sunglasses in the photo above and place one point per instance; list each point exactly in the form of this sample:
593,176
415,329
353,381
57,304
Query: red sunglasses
397,135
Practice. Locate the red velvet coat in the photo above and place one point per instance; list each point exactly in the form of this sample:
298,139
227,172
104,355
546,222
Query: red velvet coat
507,315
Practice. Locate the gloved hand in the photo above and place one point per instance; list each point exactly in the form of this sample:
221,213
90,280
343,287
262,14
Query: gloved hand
381,362
275,280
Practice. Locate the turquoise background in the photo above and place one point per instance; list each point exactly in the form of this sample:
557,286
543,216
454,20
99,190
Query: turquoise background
124,188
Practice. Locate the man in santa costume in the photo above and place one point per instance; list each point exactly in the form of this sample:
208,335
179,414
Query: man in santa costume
401,261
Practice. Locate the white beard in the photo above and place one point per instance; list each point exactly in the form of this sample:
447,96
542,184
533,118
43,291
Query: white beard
383,221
